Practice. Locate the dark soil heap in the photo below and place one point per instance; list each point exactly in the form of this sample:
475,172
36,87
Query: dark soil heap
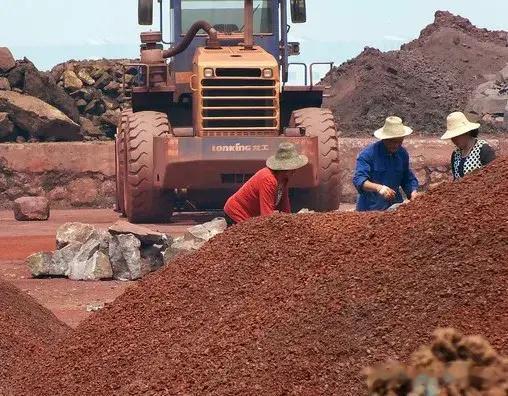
26,329
453,364
298,304
422,82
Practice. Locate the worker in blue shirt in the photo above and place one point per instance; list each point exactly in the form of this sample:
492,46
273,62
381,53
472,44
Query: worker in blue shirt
383,167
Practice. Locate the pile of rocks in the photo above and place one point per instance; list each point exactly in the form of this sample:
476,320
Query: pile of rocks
453,364
490,99
32,106
75,101
99,89
124,252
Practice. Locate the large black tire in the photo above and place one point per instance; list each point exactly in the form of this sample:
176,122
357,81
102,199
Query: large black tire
121,159
143,202
321,123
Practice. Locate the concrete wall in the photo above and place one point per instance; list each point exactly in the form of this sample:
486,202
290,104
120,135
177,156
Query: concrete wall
83,174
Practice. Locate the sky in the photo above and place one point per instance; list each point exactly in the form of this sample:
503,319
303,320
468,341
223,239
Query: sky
52,31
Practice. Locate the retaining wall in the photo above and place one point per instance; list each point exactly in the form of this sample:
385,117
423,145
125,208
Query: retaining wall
75,174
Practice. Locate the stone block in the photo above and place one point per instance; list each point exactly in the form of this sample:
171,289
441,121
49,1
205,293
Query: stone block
125,257
31,208
75,232
144,234
41,264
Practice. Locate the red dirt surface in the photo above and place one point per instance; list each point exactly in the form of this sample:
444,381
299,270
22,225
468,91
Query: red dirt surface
422,82
299,304
26,329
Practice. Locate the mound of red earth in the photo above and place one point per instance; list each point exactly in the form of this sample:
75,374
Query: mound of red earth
298,304
453,364
26,330
422,82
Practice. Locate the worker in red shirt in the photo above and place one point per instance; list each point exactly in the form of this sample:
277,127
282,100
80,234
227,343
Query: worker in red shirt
266,191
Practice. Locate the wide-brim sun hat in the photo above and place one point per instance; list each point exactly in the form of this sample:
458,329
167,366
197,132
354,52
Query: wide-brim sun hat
286,158
457,124
393,129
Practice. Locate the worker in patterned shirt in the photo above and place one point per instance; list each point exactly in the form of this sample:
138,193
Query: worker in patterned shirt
471,153
267,191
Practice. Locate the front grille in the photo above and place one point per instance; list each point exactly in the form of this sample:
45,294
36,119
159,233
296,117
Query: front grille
237,72
238,102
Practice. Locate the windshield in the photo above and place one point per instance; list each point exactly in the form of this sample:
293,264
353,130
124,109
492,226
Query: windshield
226,16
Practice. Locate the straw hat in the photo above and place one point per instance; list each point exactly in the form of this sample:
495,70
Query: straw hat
457,124
392,129
286,158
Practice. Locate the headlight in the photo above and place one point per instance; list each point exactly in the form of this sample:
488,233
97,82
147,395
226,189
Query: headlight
208,72
267,73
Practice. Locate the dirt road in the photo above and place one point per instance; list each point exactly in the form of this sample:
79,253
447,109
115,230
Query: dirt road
67,299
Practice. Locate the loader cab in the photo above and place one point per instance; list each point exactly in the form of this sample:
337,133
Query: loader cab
227,17
270,24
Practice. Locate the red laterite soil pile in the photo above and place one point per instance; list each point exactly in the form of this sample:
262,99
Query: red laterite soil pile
26,329
453,364
299,304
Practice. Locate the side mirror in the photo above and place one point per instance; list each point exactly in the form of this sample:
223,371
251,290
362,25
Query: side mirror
145,12
298,11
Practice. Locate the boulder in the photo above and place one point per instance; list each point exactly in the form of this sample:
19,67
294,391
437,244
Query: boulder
38,118
41,264
112,88
42,86
206,231
144,234
6,126
75,232
111,104
89,127
4,84
71,81
62,257
97,73
85,77
81,104
91,263
31,208
7,61
112,117
125,257
489,105
180,247
194,238
152,257
95,107
86,94
103,80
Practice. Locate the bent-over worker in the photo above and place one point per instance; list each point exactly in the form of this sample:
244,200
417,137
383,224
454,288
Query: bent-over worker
471,153
266,191
383,167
